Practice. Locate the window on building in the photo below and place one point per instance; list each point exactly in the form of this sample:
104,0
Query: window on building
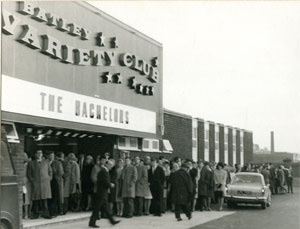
206,135
146,143
206,145
127,143
133,142
226,137
194,143
11,132
195,132
167,147
150,145
217,146
122,141
226,147
217,137
155,145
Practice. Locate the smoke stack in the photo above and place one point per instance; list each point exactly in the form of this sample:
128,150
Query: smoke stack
272,142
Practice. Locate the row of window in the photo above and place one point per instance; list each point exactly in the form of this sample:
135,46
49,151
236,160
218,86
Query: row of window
148,145
206,146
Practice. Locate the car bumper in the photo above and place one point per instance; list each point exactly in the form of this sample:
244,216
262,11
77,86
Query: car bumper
246,199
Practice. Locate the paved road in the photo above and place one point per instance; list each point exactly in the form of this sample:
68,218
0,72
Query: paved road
284,213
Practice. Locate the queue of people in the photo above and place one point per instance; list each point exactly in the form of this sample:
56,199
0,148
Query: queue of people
131,187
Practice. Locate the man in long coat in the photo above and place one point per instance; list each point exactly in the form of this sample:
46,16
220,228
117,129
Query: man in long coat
156,177
67,181
55,204
140,186
75,183
129,177
100,198
182,194
39,174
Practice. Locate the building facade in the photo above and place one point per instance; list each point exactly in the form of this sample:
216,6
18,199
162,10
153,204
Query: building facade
195,139
91,86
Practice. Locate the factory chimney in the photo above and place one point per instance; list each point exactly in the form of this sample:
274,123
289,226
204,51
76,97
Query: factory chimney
272,142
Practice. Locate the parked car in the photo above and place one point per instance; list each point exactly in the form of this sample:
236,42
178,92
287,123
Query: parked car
248,188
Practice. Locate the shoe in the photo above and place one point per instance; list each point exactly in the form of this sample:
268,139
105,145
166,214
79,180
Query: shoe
129,216
93,226
157,214
116,222
34,217
220,209
209,209
179,219
189,217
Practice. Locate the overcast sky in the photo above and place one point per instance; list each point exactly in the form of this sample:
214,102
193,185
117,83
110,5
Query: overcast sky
236,63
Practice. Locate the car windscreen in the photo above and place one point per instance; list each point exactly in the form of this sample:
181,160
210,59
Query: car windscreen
246,179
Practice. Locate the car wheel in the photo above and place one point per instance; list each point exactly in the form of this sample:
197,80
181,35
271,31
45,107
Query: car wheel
5,224
264,205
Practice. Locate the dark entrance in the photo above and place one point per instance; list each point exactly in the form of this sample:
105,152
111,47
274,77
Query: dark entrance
68,141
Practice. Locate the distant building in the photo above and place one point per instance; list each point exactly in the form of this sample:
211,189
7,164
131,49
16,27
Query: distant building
277,157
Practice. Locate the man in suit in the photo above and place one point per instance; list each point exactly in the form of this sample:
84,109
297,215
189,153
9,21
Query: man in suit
100,198
156,177
140,186
182,192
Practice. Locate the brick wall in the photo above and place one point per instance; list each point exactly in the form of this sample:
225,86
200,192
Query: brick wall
230,148
238,147
178,130
248,147
201,140
221,143
211,142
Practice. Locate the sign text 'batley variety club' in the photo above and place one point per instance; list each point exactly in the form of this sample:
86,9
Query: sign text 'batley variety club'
54,103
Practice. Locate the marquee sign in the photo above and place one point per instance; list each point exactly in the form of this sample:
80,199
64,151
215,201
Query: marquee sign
28,98
67,54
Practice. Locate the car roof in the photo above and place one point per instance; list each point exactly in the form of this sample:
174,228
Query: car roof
249,173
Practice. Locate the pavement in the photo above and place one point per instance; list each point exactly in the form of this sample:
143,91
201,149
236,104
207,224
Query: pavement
283,213
76,221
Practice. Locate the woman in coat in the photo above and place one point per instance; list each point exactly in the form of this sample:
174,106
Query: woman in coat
220,177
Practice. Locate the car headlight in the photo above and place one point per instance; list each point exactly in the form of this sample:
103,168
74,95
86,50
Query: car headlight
262,190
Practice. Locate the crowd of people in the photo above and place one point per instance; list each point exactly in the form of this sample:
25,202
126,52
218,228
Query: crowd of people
55,184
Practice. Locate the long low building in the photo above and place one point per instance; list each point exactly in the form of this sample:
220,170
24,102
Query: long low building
195,139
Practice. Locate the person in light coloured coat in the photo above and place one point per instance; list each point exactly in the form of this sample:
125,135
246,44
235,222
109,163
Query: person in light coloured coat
129,177
39,174
140,186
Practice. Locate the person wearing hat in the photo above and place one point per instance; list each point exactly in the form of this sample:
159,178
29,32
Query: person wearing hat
182,193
